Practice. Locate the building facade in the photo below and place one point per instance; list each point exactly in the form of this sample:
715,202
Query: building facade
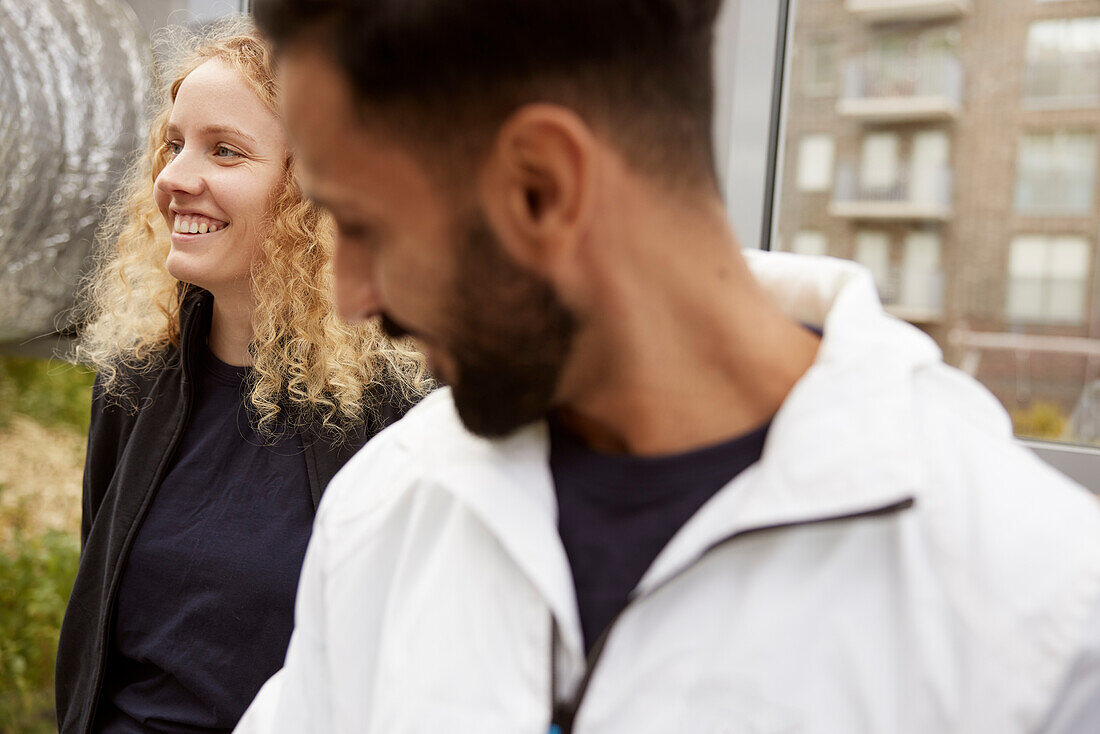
952,147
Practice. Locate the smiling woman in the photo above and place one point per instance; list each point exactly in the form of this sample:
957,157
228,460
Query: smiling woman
229,392
225,153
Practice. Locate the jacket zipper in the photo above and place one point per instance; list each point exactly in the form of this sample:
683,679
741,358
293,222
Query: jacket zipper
564,714
120,566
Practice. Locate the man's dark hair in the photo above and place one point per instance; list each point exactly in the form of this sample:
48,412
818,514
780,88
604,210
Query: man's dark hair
449,72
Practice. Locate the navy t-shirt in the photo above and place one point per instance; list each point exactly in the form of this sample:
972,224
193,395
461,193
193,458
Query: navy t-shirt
206,603
616,512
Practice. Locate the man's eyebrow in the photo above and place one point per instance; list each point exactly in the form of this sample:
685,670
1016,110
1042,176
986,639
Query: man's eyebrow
335,207
216,130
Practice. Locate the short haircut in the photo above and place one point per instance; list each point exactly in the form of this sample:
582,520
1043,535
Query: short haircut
448,73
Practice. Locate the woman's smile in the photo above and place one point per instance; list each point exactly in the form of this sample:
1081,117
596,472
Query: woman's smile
196,224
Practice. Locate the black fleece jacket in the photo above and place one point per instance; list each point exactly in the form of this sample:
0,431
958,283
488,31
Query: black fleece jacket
128,453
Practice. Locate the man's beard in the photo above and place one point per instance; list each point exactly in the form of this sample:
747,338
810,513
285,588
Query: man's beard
510,337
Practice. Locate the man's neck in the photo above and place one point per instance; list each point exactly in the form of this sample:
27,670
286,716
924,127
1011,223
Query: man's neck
684,350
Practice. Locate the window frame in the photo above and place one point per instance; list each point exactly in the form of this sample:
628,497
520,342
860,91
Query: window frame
765,29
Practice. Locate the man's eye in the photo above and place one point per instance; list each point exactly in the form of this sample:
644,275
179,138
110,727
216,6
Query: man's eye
352,230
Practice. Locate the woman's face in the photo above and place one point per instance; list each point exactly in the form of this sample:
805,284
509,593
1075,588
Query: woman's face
226,154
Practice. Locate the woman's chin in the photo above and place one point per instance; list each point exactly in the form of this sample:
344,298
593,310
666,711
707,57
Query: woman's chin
181,270
184,270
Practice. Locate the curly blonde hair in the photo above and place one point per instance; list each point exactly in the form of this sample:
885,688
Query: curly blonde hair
309,367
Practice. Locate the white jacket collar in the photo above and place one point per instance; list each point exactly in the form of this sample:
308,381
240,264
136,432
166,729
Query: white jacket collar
841,443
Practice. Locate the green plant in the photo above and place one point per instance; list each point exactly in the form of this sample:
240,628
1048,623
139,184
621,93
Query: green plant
52,392
36,577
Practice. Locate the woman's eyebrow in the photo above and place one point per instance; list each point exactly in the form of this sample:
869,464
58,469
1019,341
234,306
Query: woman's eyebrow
174,131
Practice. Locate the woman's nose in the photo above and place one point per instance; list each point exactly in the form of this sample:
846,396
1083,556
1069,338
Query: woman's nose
181,175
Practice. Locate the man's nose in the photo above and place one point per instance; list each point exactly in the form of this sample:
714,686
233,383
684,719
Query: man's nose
356,291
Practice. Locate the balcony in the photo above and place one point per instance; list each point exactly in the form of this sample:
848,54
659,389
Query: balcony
880,88
917,194
893,11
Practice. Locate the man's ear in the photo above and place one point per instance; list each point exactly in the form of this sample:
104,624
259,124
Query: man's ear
537,185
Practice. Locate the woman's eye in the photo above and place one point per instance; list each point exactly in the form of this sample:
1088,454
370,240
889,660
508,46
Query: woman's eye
172,147
223,152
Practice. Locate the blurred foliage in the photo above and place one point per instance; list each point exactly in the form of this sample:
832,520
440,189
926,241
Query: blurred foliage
1041,419
52,392
36,576
36,569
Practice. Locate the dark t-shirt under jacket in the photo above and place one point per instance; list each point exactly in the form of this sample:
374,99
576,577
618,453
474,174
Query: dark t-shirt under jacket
616,512
205,606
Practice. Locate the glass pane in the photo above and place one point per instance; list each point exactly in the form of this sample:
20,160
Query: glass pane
815,163
1056,173
964,148
1066,301
1069,258
820,68
1028,258
920,281
1062,56
880,161
1025,299
810,243
873,251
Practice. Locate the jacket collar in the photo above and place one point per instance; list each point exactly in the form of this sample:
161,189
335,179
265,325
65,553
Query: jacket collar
196,310
507,484
840,445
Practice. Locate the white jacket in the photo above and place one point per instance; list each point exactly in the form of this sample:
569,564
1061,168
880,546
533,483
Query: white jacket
893,563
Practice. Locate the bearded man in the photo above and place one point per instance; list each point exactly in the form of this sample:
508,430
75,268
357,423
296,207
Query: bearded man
671,487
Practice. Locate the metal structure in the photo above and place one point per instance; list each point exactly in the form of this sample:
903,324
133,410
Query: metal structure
74,75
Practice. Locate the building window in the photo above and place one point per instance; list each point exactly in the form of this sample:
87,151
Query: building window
1056,173
820,68
1047,279
930,174
879,163
815,163
921,285
1062,58
873,251
810,243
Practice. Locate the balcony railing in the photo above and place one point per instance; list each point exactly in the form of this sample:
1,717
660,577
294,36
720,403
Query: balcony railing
914,195
1072,81
902,88
882,11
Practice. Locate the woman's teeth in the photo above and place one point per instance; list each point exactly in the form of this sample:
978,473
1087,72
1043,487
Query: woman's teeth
196,224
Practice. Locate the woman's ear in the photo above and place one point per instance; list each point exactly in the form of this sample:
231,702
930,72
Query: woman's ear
537,185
